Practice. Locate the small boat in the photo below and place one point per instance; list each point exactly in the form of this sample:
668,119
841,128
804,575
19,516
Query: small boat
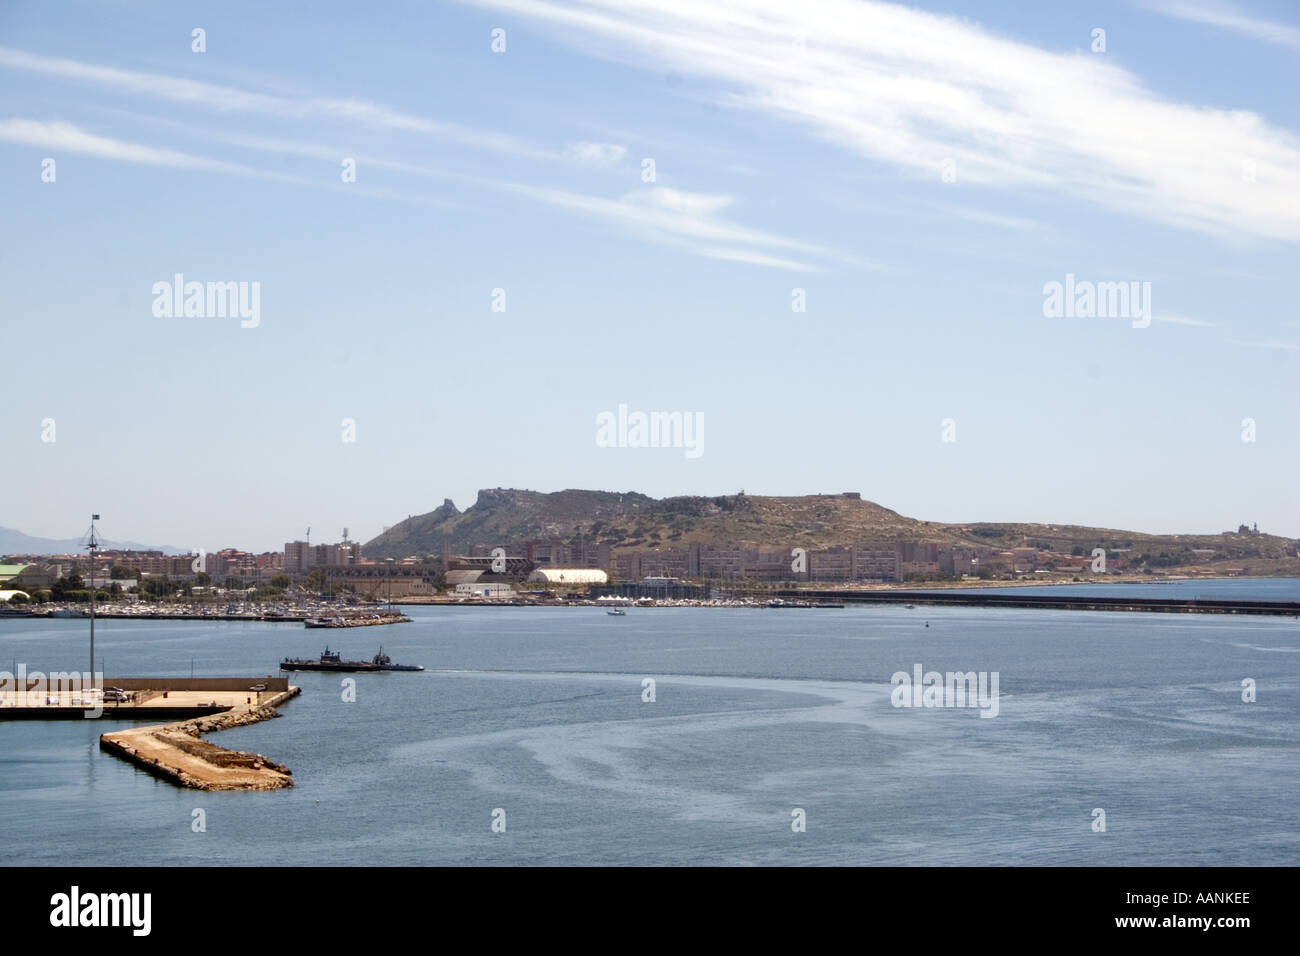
616,612
910,607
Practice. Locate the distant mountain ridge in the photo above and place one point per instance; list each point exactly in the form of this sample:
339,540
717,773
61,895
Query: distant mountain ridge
15,542
634,521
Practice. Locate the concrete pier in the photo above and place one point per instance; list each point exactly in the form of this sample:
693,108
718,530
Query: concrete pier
66,696
171,750
176,752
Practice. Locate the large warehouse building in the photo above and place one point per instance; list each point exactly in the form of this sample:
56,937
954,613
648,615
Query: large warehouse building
568,576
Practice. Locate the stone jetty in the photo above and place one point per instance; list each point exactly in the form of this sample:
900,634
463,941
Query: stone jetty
176,751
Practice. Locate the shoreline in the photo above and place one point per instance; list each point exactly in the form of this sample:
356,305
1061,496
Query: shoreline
742,596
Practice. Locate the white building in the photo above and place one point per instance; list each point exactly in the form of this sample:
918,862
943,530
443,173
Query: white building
497,590
565,576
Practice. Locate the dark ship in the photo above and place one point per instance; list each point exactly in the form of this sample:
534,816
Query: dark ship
331,661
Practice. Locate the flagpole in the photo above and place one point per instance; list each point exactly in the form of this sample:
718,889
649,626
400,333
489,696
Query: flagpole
91,548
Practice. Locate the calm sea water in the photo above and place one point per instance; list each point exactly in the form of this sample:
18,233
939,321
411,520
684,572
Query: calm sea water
539,712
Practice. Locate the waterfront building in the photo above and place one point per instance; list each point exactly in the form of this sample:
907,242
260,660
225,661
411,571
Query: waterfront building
568,576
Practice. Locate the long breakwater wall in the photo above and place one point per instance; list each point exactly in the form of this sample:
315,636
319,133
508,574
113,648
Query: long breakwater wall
967,598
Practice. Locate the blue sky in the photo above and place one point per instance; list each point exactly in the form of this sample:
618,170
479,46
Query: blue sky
921,172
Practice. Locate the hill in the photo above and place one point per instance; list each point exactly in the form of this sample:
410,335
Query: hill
633,521
15,542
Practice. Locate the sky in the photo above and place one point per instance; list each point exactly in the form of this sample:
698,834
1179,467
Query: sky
825,233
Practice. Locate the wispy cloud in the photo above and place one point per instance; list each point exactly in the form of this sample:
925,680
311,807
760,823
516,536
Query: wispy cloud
595,154
684,219
66,136
913,89
1229,17
676,217
1019,223
56,136
750,257
661,214
229,99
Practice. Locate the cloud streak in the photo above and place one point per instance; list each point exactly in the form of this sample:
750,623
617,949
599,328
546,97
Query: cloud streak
659,214
913,89
59,135
1228,17
229,99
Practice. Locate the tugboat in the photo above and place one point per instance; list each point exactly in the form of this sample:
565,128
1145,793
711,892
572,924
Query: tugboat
331,661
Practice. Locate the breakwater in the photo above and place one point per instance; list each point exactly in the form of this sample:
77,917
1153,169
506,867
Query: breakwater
175,752
965,598
359,620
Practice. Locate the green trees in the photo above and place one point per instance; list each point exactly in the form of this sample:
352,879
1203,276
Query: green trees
69,583
156,587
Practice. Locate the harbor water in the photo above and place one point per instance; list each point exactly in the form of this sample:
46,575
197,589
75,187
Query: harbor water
766,737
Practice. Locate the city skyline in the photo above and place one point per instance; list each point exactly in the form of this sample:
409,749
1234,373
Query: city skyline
452,268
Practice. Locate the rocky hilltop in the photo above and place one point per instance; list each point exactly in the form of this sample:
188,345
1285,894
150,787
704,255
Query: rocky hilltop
633,521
